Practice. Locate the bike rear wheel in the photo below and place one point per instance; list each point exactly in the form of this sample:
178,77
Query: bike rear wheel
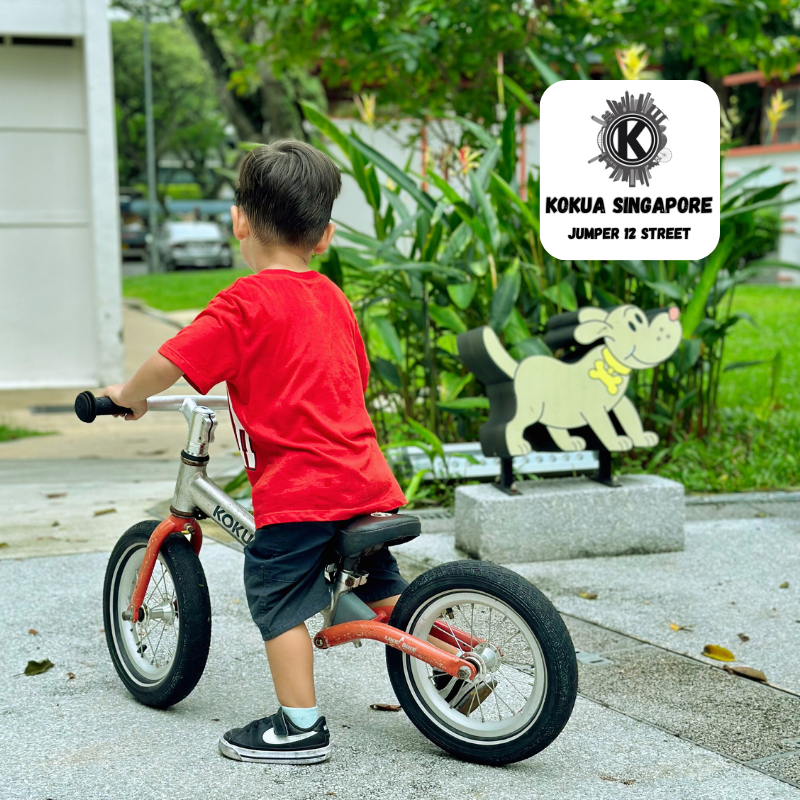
161,657
527,682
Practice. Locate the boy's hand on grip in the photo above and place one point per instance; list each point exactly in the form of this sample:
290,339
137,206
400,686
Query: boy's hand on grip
116,393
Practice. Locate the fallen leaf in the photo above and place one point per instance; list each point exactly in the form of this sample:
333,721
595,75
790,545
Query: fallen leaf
38,667
680,627
235,601
71,676
747,672
48,538
784,585
744,637
719,653
102,511
102,630
33,631
53,495
384,707
3,544
588,595
55,524
646,602
215,719
77,540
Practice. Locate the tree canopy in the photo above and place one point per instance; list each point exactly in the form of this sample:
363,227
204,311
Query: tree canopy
188,122
430,56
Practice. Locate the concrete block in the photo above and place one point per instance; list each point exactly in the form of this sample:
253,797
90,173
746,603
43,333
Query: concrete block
570,518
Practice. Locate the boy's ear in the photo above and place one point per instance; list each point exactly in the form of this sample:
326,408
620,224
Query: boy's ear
241,227
324,242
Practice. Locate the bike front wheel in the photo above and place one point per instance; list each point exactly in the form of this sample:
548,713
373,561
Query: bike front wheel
525,689
161,657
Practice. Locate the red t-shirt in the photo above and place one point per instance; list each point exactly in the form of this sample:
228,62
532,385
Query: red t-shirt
288,345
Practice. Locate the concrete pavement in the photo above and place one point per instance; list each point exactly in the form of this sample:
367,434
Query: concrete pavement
654,719
650,721
86,738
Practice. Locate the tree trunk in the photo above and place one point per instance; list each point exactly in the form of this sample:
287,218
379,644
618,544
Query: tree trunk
243,112
266,115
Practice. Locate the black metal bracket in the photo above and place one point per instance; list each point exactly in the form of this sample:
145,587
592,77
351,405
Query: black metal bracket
604,474
505,483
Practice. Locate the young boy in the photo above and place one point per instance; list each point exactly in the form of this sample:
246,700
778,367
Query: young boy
287,344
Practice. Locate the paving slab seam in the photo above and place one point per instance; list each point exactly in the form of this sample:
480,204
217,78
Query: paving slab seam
687,656
753,764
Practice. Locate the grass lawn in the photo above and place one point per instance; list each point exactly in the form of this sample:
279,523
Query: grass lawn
776,313
750,451
8,433
175,291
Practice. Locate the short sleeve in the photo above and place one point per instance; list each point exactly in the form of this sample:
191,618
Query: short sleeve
208,350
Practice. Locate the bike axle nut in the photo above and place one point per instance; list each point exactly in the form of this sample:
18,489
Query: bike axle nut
464,673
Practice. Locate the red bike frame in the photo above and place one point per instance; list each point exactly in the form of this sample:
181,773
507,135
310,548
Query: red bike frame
376,629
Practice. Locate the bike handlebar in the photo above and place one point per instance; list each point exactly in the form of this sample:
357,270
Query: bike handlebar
88,407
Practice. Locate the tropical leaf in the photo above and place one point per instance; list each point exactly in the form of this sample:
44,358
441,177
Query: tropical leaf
744,179
457,243
395,173
515,89
387,372
695,310
563,295
389,337
464,403
318,119
505,297
462,293
534,346
489,216
550,75
482,135
446,317
499,185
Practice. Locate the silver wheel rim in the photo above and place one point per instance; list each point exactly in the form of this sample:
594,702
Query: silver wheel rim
515,662
147,648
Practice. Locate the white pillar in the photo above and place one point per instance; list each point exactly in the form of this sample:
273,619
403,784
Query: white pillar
103,191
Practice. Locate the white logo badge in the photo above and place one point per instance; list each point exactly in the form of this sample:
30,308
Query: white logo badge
618,191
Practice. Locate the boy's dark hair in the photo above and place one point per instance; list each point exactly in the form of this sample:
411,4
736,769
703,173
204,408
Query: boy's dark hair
286,190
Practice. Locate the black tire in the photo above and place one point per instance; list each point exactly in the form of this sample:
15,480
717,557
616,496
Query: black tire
159,687
555,648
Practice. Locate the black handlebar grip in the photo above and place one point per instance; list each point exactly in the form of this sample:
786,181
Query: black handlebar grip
88,407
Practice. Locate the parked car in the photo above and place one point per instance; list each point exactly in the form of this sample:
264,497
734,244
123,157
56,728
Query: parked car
194,244
134,238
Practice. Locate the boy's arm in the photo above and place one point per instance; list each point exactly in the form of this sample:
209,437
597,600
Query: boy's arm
155,375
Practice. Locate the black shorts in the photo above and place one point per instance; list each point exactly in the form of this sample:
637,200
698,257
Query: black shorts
283,574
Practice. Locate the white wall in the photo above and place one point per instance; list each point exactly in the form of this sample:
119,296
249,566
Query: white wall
60,306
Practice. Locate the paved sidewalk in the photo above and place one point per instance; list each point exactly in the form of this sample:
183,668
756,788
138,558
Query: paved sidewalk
650,722
155,436
87,739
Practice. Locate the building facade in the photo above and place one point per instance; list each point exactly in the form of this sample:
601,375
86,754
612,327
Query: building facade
60,303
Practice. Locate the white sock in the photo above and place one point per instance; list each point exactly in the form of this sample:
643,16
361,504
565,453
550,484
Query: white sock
302,717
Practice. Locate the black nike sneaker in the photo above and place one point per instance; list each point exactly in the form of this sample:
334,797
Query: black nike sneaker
277,740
